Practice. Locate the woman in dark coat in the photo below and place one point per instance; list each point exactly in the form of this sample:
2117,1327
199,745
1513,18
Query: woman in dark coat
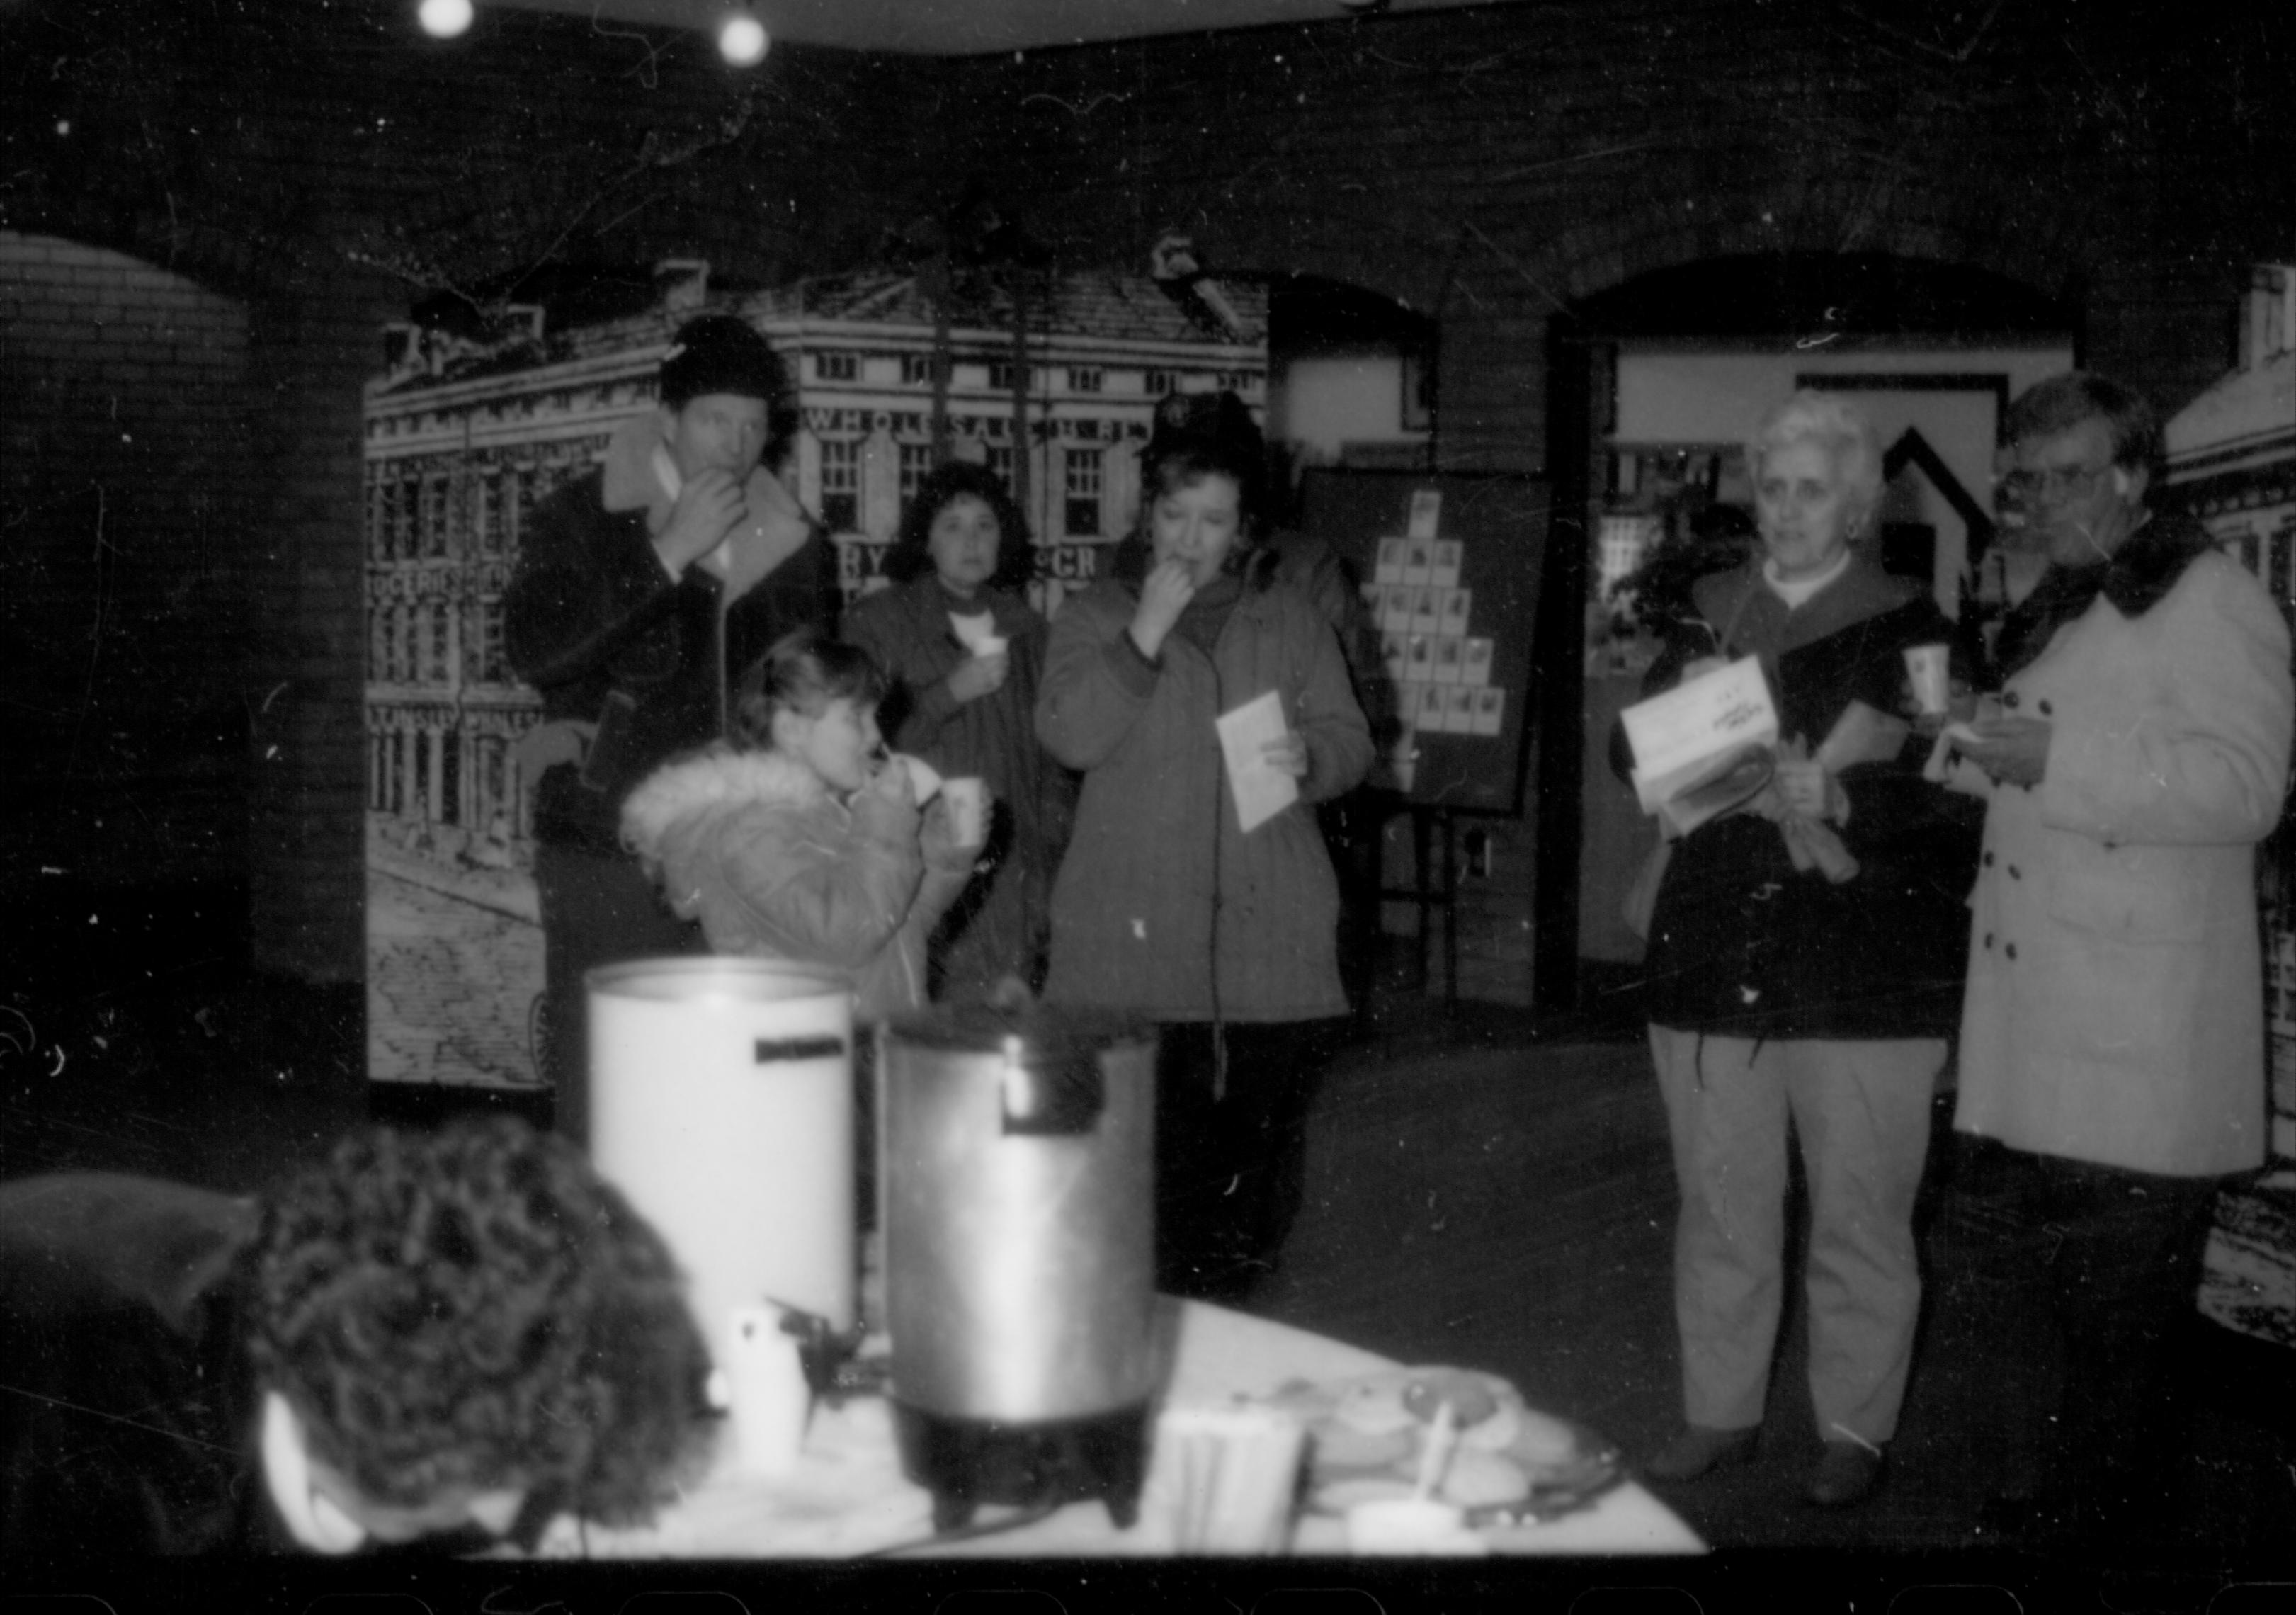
1805,964
1168,908
964,652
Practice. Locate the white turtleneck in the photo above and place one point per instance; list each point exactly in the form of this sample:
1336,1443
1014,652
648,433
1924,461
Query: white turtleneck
1795,591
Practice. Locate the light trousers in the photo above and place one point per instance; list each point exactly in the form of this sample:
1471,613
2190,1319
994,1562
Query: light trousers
1862,1112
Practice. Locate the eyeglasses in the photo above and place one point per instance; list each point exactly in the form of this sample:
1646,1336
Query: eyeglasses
2055,482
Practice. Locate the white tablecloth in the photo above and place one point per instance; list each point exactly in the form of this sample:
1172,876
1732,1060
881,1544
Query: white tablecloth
848,1497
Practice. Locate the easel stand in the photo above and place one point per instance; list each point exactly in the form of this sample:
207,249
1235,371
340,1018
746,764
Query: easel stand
1434,886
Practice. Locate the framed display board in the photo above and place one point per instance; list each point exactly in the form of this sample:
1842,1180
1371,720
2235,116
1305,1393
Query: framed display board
1449,568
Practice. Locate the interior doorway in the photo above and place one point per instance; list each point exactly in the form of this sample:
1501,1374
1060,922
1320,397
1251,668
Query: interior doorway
1654,385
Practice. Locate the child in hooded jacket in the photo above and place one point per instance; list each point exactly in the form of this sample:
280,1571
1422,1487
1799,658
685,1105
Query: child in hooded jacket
801,840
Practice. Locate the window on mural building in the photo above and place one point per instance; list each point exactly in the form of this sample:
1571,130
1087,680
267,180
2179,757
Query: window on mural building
489,801
917,465
836,366
1158,382
450,778
519,495
431,516
378,528
1001,376
489,663
1081,490
1084,377
916,370
399,514
840,485
487,516
438,642
1000,463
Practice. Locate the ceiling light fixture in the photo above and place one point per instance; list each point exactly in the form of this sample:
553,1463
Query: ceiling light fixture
444,19
742,38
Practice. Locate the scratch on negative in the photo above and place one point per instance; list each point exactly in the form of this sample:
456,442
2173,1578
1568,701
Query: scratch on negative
97,1413
1086,109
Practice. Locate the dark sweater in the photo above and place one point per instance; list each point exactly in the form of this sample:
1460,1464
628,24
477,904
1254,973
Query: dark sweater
1743,943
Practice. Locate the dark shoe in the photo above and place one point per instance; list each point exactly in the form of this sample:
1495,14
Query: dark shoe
1699,1448
1846,1474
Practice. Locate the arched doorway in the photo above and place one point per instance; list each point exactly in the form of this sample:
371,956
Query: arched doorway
1653,384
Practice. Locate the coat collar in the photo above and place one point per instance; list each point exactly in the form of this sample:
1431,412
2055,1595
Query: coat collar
1750,618
924,604
776,527
2136,577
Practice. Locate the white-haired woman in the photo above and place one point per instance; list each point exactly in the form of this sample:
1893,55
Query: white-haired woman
1820,989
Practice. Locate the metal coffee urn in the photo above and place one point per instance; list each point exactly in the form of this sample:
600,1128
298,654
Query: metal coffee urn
1017,1152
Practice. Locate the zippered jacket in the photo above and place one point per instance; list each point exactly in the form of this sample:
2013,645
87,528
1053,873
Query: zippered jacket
1165,906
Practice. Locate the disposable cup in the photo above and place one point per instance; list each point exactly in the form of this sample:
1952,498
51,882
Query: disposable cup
1926,664
967,801
765,1387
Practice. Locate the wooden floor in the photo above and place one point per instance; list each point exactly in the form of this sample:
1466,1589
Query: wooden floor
1480,1197
1479,1194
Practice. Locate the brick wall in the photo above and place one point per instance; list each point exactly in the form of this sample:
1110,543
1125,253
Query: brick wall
1488,165
316,345
124,572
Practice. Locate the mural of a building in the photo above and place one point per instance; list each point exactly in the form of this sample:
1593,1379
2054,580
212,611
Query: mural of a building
464,438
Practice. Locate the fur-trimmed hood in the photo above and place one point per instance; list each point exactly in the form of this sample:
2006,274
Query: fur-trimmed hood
718,777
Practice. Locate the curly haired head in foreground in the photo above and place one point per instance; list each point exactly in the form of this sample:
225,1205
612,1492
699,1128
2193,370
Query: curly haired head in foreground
473,1310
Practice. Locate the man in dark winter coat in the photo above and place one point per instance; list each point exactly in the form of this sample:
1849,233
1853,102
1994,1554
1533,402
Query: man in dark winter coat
643,590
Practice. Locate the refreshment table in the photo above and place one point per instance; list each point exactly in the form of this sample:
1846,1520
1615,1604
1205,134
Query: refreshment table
848,1497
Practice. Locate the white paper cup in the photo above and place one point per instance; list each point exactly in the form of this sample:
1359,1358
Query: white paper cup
1412,1525
768,1398
968,804
1926,664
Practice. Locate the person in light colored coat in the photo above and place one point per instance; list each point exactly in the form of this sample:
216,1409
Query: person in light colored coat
1165,905
2112,1040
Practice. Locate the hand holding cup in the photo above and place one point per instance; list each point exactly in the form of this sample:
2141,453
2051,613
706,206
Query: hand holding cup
967,801
981,674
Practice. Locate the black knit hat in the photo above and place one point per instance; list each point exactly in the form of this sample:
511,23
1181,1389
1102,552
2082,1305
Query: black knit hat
1210,431
1218,424
720,354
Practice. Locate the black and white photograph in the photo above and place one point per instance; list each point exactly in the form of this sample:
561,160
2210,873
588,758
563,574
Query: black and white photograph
835,803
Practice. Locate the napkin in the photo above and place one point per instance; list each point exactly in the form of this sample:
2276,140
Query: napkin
1262,789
